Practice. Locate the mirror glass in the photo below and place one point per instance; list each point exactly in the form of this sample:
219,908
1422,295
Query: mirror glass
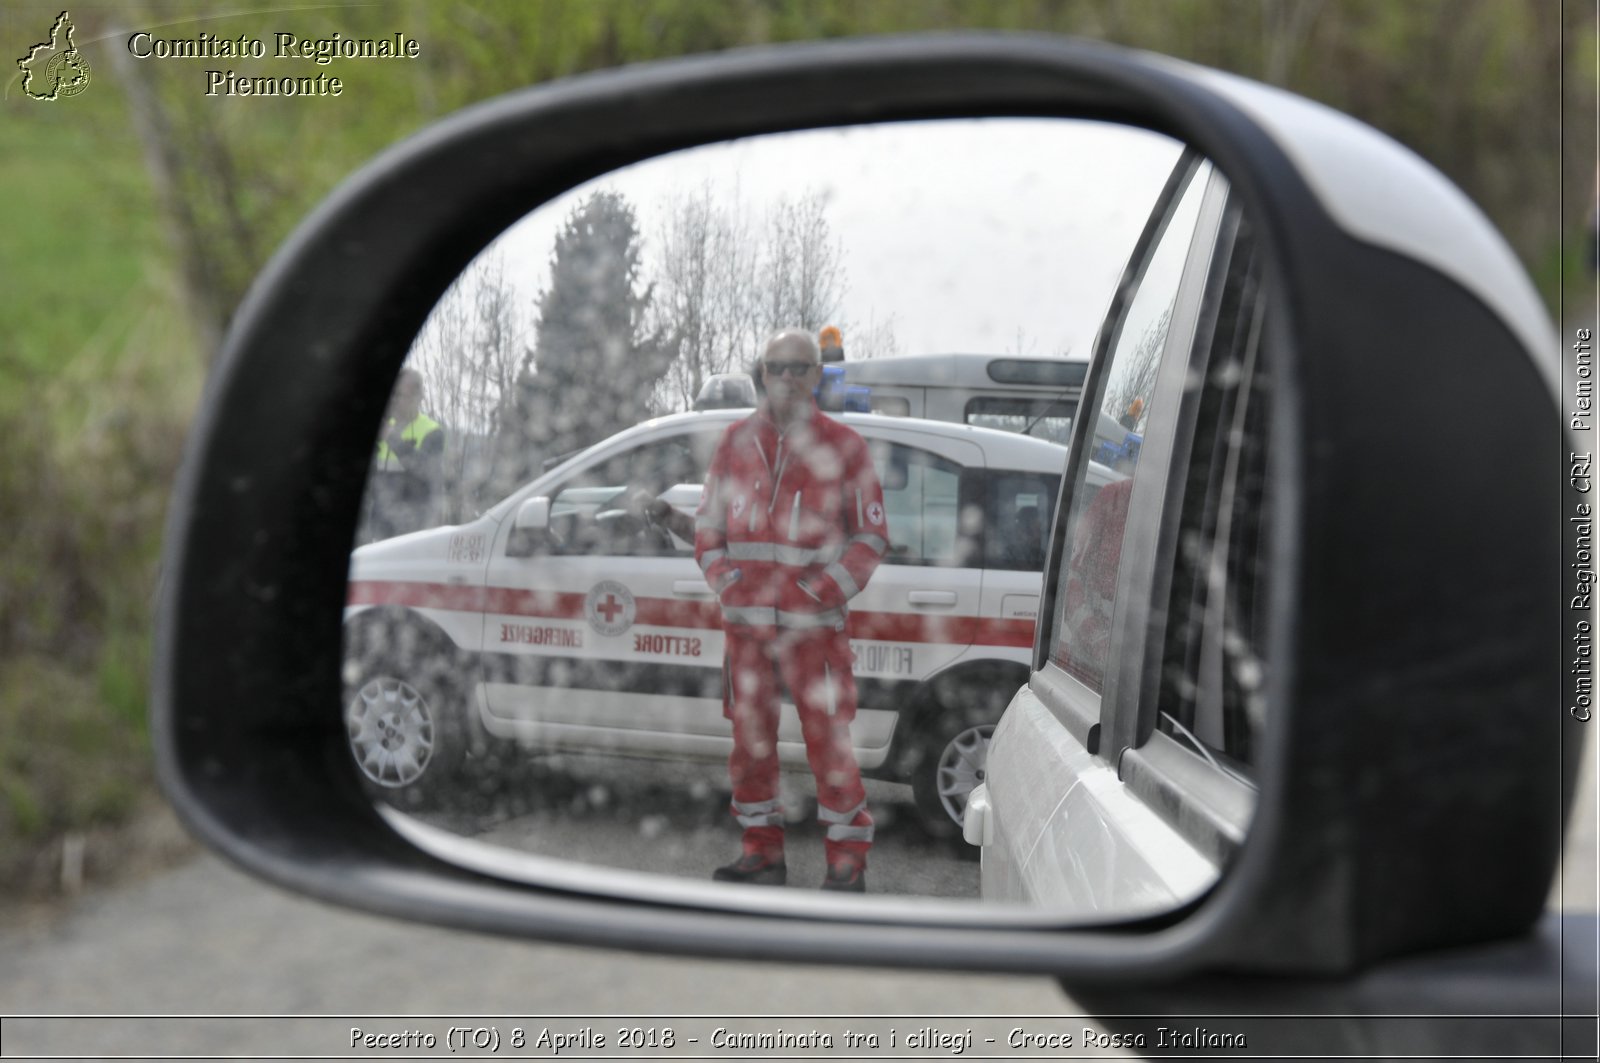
538,663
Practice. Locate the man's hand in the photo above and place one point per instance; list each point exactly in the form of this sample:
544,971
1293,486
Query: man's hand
641,503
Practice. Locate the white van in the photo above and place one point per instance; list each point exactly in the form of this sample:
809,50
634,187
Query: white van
1035,396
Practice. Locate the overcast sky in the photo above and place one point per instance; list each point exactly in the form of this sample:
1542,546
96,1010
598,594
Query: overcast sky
974,235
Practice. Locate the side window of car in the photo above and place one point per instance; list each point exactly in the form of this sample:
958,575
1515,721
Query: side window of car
922,500
1085,596
1213,670
1019,509
591,513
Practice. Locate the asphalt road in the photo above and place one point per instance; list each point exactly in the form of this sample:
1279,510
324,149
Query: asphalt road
204,939
671,817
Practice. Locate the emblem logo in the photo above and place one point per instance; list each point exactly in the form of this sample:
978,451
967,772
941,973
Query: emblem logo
55,69
738,506
609,608
874,513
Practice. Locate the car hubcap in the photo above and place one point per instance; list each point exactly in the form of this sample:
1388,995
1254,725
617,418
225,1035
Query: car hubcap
962,766
391,732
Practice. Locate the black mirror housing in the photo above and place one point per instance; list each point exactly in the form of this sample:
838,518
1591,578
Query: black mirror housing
1413,731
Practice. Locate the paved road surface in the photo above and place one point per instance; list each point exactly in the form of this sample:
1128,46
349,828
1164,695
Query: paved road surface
205,939
671,817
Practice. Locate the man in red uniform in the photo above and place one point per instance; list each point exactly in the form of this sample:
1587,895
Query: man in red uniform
790,528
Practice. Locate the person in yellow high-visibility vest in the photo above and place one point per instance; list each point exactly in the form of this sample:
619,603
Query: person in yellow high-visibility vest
406,465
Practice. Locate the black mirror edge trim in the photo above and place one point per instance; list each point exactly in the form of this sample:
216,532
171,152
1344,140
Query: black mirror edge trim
315,328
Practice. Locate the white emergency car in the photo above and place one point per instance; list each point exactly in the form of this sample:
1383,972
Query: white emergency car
564,620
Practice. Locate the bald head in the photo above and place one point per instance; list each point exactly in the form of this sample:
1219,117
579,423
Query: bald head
792,343
791,367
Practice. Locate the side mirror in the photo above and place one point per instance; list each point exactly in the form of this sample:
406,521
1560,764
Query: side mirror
897,474
1412,763
530,528
533,515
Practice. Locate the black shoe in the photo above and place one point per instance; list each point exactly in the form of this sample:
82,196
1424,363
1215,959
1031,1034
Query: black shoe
846,878
754,870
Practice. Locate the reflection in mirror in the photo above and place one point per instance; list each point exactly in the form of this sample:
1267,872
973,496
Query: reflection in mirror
602,613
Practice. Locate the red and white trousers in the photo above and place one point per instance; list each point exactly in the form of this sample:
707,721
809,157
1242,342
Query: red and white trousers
815,667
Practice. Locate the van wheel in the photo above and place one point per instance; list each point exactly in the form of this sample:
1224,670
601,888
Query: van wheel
954,759
404,719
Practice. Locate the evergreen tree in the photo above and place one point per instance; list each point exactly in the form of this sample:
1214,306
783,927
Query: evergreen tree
594,365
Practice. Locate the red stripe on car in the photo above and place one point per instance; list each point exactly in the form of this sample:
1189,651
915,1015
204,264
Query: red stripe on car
671,612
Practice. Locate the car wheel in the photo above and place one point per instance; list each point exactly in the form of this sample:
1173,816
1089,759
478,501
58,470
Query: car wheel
954,760
405,721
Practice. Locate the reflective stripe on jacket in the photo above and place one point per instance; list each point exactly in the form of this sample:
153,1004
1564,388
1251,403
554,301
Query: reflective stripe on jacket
791,524
418,430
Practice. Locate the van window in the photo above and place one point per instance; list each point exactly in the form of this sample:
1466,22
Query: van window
1041,418
1058,374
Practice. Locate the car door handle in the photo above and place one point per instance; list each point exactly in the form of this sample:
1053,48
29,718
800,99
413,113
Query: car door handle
691,588
932,599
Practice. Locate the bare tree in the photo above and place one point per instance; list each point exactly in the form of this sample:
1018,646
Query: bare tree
1133,376
204,298
1285,29
875,338
704,287
724,282
469,353
802,277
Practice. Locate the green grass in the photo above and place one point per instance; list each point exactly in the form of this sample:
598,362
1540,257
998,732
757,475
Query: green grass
66,763
1564,275
81,237
98,379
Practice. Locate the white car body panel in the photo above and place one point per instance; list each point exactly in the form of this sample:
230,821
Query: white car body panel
438,572
1073,837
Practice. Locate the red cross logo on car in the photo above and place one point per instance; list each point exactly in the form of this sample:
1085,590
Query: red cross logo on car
609,607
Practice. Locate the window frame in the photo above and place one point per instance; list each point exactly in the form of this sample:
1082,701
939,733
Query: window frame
966,547
570,477
1088,715
1150,546
1199,791
1213,723
1209,805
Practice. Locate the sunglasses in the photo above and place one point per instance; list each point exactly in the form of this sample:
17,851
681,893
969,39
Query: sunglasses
791,368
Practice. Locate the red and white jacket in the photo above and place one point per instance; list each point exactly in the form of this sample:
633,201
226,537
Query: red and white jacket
791,523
